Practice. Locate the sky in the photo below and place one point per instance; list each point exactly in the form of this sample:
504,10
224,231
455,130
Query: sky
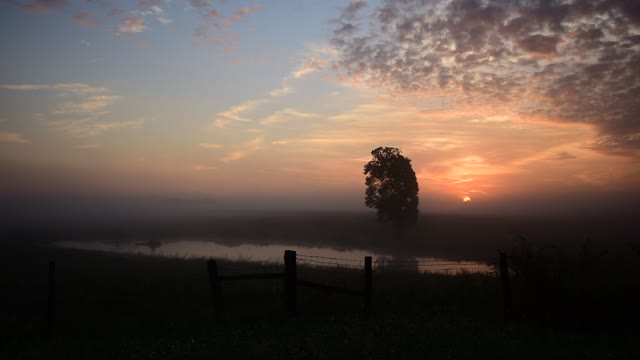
501,105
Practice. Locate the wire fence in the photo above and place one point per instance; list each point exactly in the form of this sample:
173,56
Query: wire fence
330,258
477,266
329,263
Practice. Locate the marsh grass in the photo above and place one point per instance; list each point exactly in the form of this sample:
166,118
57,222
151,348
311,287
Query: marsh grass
115,306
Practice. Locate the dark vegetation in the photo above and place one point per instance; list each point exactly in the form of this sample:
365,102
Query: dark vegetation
392,187
580,305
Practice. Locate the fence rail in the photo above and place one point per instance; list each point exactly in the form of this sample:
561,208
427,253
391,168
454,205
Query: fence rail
291,283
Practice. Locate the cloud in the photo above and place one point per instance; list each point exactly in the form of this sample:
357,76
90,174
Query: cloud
285,115
281,91
82,109
312,61
308,66
217,25
12,137
64,88
132,24
563,156
86,10
199,4
351,11
44,5
345,25
540,45
214,23
160,15
27,87
80,100
240,12
565,61
221,123
245,149
88,127
210,146
246,10
96,104
136,22
234,113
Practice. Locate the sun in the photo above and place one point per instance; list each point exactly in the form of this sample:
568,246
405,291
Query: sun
466,199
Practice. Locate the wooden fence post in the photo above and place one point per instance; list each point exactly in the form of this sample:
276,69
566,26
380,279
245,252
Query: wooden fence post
368,288
290,280
504,280
216,291
51,299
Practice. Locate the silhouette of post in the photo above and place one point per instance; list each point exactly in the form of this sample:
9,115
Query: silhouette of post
216,292
290,280
50,299
368,285
504,280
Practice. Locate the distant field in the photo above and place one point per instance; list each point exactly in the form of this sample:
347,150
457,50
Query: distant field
444,236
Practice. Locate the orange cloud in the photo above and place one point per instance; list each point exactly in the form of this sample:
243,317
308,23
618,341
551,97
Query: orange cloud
12,137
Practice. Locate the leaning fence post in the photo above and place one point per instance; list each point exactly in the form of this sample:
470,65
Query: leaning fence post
504,280
51,299
216,291
290,279
368,288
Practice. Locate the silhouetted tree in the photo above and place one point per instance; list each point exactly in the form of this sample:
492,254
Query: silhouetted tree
392,187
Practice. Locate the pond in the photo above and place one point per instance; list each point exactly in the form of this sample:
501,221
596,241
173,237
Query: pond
306,255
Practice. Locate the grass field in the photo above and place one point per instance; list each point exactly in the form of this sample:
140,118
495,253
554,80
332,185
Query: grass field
112,306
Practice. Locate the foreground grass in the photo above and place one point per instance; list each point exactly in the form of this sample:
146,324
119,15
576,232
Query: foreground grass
125,306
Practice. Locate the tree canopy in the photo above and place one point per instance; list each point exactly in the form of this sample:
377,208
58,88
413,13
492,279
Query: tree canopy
392,187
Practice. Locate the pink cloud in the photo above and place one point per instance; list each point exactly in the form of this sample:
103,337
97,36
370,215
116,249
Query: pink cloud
132,24
44,5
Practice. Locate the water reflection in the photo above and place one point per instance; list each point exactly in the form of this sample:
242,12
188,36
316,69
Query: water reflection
307,255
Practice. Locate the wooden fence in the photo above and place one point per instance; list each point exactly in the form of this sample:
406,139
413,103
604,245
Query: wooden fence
291,284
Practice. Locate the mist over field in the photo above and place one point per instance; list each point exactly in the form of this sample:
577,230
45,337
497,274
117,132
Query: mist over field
323,222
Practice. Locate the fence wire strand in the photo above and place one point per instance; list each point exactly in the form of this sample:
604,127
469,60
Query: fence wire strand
429,265
428,262
383,263
318,262
330,258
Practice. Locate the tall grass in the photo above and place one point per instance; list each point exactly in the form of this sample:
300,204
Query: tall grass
128,306
590,288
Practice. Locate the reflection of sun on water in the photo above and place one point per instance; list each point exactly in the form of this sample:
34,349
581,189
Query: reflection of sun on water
466,199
